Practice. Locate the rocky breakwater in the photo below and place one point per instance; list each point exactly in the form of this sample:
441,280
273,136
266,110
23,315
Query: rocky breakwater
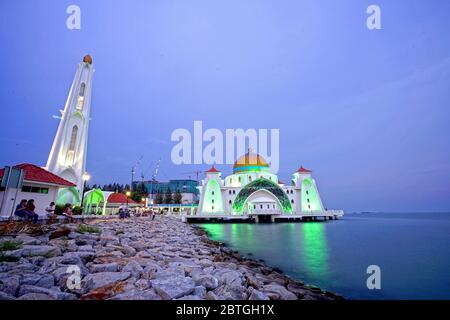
137,259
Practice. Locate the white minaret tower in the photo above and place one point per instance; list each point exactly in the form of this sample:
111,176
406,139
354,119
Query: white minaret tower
67,157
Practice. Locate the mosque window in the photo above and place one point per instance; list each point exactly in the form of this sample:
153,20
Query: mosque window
229,201
254,206
212,207
212,200
212,192
82,89
71,152
307,192
261,206
234,191
274,206
249,178
229,191
292,201
307,200
239,179
309,207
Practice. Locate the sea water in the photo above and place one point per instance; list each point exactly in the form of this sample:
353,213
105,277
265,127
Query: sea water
411,249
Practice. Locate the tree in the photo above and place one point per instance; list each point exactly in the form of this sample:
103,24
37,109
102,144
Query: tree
159,198
168,197
177,197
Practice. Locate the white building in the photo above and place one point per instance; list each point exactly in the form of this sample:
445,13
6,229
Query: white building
252,189
67,157
38,184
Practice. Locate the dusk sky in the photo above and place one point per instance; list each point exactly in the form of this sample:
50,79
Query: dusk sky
367,110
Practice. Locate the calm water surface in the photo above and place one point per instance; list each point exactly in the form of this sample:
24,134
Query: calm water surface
412,250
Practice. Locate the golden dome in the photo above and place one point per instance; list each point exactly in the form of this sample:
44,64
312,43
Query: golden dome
87,59
250,162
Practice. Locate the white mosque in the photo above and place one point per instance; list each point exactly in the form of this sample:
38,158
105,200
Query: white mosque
253,190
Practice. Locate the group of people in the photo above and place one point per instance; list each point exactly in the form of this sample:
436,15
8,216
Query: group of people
25,210
125,212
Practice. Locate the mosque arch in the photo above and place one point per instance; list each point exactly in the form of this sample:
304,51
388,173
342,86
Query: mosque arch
261,183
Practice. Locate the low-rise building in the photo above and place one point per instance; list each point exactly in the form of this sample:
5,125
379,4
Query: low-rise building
38,184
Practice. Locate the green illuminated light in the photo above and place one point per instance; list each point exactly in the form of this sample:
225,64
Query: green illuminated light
310,197
261,183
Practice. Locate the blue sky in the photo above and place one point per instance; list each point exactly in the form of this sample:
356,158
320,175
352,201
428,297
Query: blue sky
367,111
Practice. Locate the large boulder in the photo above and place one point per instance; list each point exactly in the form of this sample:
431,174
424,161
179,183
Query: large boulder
277,292
172,285
39,280
41,250
54,293
96,280
9,284
207,281
258,295
104,267
134,268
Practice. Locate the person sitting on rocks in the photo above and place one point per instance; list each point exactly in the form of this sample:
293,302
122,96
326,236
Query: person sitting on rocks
51,213
68,213
122,213
31,215
21,209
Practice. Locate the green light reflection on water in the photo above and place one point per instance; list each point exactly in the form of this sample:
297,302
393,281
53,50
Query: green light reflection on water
315,249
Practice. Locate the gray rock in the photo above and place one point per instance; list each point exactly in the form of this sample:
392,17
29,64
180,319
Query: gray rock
277,292
190,297
142,284
150,270
134,268
54,292
96,280
150,294
207,281
5,296
173,287
128,251
41,250
258,295
200,291
36,296
105,267
85,256
27,240
14,253
39,280
211,296
233,292
87,247
10,284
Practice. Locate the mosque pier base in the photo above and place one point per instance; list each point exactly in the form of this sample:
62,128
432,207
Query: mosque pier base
260,218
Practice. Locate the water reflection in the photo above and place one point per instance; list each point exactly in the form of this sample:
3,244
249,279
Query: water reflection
315,249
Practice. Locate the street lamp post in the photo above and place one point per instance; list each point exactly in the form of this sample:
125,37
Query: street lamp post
128,193
85,178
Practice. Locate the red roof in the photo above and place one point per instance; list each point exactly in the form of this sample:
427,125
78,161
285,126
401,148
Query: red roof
119,198
303,170
38,174
213,170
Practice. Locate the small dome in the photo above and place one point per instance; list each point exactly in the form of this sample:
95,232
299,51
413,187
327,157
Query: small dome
87,59
250,162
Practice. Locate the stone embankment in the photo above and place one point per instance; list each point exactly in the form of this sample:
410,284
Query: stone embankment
136,259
